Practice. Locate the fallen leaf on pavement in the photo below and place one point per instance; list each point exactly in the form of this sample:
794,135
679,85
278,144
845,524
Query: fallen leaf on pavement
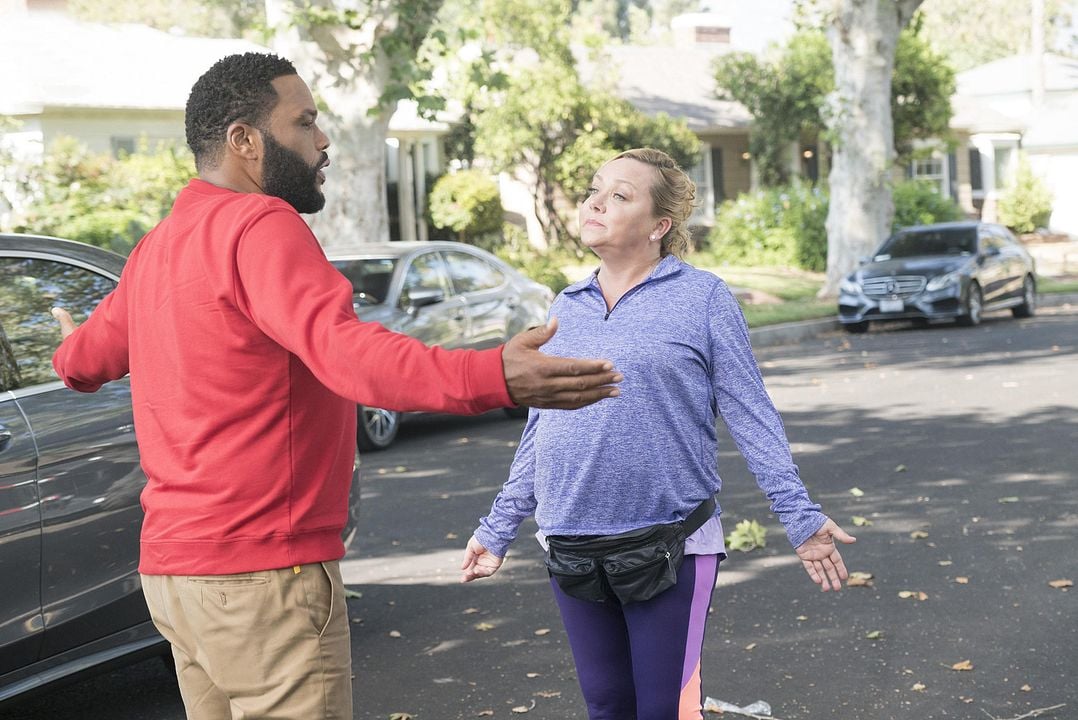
471,611
400,716
874,635
524,708
900,468
542,631
860,521
451,536
918,534
394,633
859,579
532,674
1060,584
964,665
548,693
962,580
1026,688
485,713
483,626
1010,499
915,594
919,687
856,492
750,646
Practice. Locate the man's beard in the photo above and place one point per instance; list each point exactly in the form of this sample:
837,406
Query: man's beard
287,176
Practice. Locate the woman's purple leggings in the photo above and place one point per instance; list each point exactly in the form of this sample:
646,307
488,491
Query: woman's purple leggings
641,661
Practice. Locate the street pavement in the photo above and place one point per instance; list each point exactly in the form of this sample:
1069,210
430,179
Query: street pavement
953,448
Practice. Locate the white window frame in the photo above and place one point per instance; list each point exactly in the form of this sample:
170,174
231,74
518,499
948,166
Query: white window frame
702,174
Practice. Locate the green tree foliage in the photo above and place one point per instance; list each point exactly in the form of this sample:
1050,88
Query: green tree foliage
528,108
786,94
1027,203
970,34
100,200
467,202
918,202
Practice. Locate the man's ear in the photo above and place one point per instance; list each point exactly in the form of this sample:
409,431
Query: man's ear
244,141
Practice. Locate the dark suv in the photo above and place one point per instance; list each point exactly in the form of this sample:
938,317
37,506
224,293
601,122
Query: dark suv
957,270
70,479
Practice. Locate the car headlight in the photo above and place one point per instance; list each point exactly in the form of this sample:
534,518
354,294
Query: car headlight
849,286
941,281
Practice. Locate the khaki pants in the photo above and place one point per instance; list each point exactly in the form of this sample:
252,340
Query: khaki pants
271,645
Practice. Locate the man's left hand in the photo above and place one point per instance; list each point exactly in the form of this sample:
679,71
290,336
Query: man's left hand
821,558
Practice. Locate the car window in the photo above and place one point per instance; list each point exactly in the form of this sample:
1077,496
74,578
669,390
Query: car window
370,278
948,241
472,274
426,272
29,288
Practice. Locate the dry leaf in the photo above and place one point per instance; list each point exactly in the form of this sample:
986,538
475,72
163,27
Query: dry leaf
802,618
860,521
521,709
548,693
400,716
542,631
484,626
962,580
874,635
1026,688
900,468
915,594
964,665
451,536
859,579
750,646
918,534
471,611
856,492
485,713
965,699
532,675
394,633
1060,584
918,687
945,563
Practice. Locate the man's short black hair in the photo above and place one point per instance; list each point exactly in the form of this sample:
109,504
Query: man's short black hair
236,88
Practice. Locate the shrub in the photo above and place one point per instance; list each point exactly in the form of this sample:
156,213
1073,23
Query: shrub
1027,204
918,202
780,226
468,203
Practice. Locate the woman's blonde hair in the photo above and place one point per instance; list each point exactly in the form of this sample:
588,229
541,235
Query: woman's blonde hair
674,195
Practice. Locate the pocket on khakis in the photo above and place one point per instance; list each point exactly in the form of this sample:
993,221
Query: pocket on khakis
318,590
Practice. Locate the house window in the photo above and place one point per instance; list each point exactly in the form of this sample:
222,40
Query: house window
704,212
931,169
122,146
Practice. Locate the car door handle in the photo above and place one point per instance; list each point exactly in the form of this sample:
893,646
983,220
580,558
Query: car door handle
5,438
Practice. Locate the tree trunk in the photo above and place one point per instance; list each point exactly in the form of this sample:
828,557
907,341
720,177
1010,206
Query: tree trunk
863,35
346,86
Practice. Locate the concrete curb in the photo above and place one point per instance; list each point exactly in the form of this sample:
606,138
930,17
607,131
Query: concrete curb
795,332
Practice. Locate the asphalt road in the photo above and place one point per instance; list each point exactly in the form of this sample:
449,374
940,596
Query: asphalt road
962,445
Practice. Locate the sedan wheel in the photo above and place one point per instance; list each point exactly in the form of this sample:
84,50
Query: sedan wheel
377,428
1029,299
974,307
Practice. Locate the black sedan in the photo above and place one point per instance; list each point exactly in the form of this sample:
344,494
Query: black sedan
71,600
443,293
957,270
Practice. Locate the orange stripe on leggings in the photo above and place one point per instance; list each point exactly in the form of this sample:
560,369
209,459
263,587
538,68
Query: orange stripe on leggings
689,705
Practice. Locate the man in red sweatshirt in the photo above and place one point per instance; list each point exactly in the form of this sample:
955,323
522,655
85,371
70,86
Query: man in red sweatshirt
246,362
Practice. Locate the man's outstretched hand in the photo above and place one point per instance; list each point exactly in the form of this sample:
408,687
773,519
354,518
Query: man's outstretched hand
544,381
67,325
821,558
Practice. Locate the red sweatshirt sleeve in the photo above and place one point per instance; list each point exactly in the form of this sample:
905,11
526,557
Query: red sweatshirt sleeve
97,352
288,288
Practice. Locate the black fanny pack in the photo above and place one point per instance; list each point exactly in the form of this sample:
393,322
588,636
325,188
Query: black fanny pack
627,567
